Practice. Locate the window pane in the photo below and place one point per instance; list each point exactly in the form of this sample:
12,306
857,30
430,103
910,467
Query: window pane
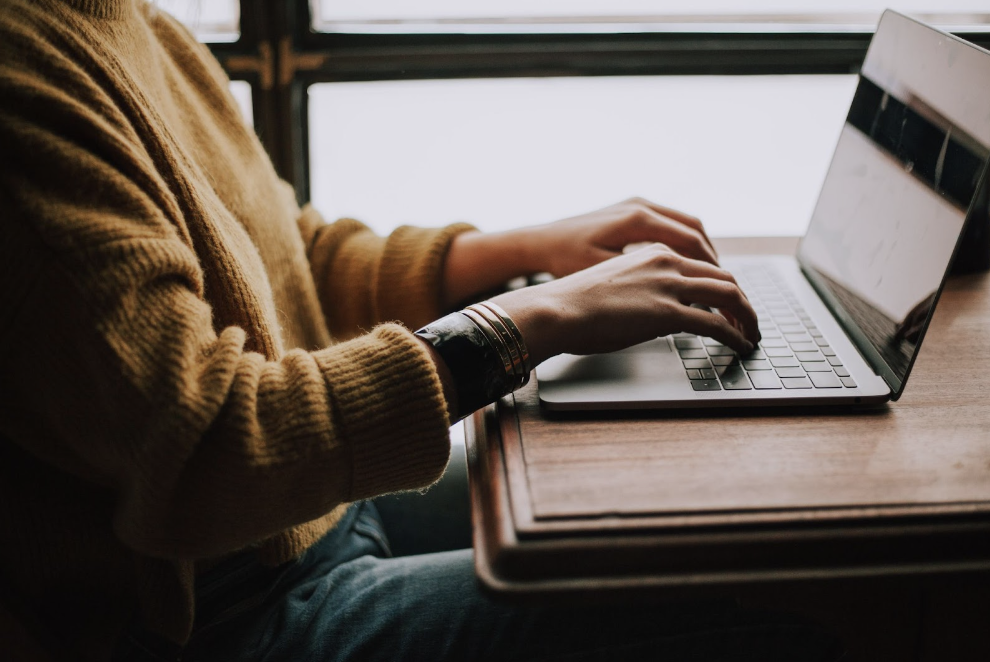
211,20
747,153
634,15
242,94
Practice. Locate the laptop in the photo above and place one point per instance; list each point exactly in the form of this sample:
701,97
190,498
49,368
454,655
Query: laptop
843,320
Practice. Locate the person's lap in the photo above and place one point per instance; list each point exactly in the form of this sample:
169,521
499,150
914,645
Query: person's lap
347,599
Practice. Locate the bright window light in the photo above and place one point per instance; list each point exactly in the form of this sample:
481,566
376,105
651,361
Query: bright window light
747,154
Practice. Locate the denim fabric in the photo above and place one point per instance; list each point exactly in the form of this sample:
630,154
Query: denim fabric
348,599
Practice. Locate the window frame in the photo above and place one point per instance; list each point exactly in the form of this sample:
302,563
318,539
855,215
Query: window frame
280,55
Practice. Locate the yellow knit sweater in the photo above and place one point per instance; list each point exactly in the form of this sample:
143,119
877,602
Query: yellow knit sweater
169,391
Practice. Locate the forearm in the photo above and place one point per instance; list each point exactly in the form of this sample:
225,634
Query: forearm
480,262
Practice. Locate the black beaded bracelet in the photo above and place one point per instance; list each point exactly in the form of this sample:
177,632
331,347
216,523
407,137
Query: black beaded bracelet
476,366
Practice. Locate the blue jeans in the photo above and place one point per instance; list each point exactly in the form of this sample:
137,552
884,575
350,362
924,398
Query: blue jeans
347,598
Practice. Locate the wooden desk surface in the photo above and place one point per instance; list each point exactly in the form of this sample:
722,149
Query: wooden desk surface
728,496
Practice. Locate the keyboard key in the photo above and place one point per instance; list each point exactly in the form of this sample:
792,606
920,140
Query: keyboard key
698,364
809,356
755,355
841,371
766,325
804,347
756,364
821,342
770,333
705,385
797,382
773,342
725,360
825,380
693,353
834,360
826,350
790,372
687,343
785,362
787,320
848,382
694,374
708,373
815,333
791,328
721,351
778,351
711,342
797,337
734,379
765,380
814,366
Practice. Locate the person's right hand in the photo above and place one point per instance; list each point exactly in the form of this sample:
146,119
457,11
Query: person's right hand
630,299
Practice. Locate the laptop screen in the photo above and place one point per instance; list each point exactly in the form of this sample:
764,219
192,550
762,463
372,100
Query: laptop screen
907,168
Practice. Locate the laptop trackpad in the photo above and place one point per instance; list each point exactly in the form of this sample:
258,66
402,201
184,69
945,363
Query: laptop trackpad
616,376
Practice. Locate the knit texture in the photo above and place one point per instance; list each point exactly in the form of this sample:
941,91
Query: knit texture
170,390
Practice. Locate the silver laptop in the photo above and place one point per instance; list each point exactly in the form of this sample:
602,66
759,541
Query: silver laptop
843,321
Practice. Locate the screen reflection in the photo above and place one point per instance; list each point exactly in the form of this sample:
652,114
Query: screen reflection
907,167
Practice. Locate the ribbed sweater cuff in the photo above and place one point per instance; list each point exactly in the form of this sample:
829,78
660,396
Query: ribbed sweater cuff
390,402
410,279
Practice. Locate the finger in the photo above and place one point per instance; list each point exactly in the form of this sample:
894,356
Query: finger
684,239
692,222
701,269
712,325
725,296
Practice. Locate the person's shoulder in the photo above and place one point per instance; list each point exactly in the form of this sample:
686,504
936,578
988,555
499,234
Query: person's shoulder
38,41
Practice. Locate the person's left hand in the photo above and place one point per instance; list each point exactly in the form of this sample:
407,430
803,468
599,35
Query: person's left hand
478,262
579,242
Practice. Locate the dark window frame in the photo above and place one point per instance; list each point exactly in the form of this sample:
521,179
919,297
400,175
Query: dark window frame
280,55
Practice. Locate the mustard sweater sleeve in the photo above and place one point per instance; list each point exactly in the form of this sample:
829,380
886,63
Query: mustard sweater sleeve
142,346
363,279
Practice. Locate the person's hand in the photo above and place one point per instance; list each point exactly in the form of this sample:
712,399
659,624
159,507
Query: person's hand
630,299
479,262
576,243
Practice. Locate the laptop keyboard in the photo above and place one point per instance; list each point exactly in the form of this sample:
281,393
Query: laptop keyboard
793,354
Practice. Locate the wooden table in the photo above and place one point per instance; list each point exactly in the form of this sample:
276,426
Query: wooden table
604,505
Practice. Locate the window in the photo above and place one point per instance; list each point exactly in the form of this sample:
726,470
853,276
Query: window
392,16
746,154
212,22
527,110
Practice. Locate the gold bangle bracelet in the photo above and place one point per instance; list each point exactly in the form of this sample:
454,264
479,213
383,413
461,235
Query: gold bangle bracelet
514,330
497,343
506,336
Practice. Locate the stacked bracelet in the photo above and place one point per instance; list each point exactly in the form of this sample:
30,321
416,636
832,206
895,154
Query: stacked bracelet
484,351
505,337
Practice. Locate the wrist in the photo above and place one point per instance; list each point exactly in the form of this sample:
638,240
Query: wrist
541,321
480,356
481,262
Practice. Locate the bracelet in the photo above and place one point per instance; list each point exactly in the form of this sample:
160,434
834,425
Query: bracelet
515,332
484,351
503,339
474,363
